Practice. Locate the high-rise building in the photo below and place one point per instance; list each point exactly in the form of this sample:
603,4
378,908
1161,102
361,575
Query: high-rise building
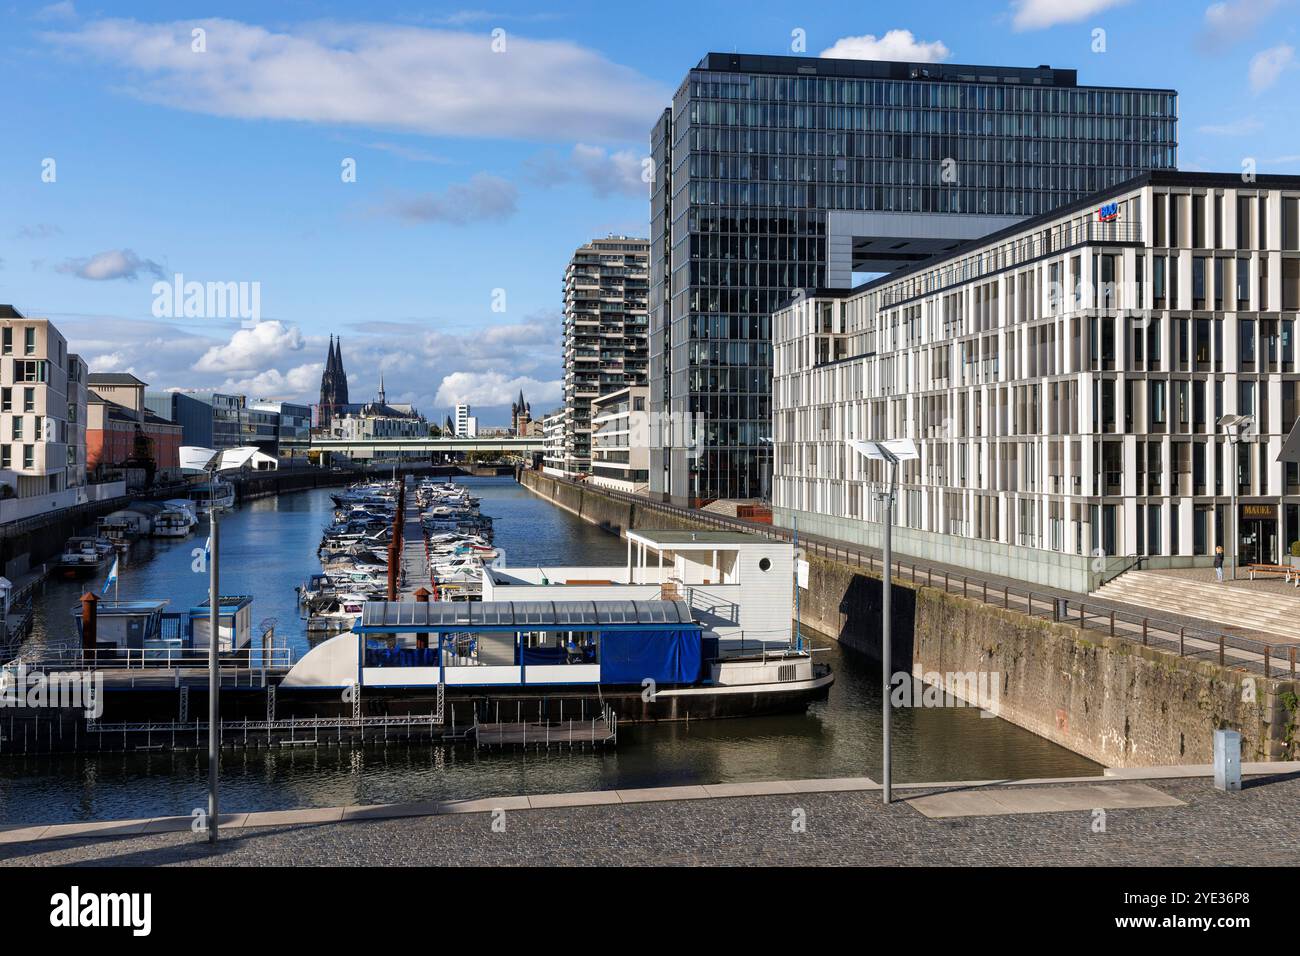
1071,384
775,173
605,333
462,420
333,385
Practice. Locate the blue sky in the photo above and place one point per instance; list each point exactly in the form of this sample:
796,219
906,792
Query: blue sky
476,170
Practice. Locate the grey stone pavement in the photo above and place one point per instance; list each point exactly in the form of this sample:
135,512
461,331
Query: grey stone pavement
1259,825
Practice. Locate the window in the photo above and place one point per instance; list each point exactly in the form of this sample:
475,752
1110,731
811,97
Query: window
29,399
29,340
29,456
7,342
6,456
32,371
6,399
1243,284
1246,345
16,428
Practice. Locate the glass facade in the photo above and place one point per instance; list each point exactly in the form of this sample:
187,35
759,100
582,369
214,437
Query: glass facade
758,150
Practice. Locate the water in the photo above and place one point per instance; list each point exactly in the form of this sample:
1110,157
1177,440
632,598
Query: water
269,546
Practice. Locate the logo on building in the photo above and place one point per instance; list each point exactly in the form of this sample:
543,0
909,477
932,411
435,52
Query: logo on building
1108,213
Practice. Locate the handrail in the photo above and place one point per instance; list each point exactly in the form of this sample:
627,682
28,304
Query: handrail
1086,615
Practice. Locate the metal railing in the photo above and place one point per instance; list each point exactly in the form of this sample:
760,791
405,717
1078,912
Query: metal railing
1198,640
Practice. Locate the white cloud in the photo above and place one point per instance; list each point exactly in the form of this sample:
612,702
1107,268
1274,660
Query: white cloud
605,172
57,11
39,230
279,360
1241,127
484,198
893,45
431,81
412,153
112,362
1233,19
110,264
1041,14
1268,65
495,388
301,380
253,349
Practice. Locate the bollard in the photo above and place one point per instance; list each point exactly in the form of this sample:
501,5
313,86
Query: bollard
1227,760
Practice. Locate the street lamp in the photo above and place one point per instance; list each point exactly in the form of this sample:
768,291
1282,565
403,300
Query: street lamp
197,460
891,452
1237,428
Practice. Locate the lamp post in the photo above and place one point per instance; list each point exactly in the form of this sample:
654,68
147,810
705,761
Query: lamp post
212,463
891,452
1236,427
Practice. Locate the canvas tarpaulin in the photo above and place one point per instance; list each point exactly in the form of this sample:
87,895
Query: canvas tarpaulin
664,656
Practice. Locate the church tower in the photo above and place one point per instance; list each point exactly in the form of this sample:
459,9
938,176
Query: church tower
333,385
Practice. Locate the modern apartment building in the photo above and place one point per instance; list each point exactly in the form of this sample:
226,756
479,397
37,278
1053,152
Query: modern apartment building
1065,381
463,420
292,428
774,173
553,443
605,333
42,422
620,440
212,419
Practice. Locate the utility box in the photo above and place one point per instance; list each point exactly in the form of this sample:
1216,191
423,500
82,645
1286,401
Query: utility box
1227,760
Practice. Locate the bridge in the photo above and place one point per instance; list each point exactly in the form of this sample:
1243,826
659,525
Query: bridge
425,447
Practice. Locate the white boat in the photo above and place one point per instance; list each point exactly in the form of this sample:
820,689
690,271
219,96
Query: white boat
175,520
207,496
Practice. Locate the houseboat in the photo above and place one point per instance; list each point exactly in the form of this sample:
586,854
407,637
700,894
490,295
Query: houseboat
695,625
219,494
84,556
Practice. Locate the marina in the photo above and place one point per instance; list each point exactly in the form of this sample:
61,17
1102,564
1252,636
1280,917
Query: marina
267,547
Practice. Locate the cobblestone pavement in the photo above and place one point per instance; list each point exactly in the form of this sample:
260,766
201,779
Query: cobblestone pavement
1260,825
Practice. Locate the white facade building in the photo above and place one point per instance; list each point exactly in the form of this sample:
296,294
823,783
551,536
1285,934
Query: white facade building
1064,380
461,420
620,447
553,443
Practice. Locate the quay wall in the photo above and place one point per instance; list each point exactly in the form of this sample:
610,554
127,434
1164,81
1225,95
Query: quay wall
1109,699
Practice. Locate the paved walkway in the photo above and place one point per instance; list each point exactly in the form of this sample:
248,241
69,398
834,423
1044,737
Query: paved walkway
1174,819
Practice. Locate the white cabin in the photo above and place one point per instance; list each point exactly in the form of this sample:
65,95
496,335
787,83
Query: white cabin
739,586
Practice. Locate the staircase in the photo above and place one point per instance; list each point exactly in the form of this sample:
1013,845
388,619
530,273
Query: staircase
1241,608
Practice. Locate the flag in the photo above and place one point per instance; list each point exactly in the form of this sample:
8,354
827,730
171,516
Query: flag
112,577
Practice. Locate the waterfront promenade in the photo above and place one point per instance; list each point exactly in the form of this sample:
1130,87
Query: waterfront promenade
1172,817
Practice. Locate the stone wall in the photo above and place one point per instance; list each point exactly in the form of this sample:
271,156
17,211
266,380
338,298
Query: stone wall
1109,699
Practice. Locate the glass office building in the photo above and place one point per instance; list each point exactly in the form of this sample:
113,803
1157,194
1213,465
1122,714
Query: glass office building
776,173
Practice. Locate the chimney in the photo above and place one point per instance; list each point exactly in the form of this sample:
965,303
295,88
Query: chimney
89,621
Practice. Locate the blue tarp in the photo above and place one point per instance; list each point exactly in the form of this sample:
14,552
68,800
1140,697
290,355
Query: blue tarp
544,655
666,657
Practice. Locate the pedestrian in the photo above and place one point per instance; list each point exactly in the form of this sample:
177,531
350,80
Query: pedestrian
1218,563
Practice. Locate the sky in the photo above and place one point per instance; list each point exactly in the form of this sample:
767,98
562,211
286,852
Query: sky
414,177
